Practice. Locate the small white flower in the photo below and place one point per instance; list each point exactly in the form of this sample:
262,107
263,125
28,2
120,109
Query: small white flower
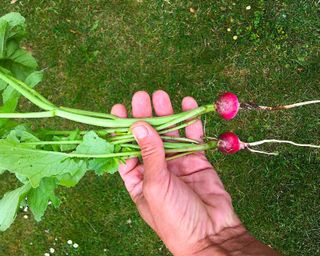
51,250
228,29
75,245
69,242
25,209
104,250
129,221
31,243
248,7
47,254
49,203
25,216
235,37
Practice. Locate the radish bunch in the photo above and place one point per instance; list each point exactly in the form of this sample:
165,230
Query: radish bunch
43,159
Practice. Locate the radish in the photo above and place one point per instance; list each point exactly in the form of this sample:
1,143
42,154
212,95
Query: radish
229,143
228,105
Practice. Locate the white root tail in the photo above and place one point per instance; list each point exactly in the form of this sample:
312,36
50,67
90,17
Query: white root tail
263,152
257,143
295,105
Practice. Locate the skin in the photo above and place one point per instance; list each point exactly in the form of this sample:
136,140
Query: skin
182,200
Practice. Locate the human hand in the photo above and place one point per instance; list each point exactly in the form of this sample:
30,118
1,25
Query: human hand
183,200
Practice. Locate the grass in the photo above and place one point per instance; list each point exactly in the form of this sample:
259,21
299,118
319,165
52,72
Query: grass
98,53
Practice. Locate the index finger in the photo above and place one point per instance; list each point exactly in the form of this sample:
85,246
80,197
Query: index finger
195,130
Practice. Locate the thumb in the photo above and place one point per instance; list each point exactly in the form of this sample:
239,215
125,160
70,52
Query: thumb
153,154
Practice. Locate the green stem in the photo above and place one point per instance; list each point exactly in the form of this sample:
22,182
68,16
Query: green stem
92,118
200,147
179,155
195,148
178,127
175,145
127,145
45,114
89,113
167,145
105,132
26,91
189,115
127,122
172,138
111,155
130,136
62,142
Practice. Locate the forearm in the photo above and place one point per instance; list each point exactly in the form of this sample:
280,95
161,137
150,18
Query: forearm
235,242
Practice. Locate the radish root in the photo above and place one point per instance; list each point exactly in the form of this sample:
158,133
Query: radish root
248,106
257,143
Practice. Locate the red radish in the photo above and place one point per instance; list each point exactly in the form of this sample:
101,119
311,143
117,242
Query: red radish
228,105
229,143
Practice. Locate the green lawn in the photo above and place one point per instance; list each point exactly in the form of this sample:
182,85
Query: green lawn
98,53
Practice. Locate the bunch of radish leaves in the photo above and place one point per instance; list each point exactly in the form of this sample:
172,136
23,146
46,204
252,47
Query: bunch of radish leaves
39,171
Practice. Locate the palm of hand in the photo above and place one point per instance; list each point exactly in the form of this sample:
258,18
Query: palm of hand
190,196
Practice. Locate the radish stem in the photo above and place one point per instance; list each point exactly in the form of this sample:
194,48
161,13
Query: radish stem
89,113
179,155
45,114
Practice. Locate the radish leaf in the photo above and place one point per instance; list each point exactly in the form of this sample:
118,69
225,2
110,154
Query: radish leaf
9,204
38,197
36,164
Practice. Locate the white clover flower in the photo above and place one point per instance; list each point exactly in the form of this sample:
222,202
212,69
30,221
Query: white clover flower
248,7
235,37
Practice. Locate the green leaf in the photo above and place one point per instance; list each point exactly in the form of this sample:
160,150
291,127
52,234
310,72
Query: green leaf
39,197
34,78
3,85
10,96
23,58
21,134
68,180
3,37
93,144
6,125
9,205
101,166
74,135
14,19
36,164
7,108
22,179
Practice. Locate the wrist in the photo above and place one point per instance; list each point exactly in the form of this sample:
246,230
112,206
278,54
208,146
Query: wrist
232,241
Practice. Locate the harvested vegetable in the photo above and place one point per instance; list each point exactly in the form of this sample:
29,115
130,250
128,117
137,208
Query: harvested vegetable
43,159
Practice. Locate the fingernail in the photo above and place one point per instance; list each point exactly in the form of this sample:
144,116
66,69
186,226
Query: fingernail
140,132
